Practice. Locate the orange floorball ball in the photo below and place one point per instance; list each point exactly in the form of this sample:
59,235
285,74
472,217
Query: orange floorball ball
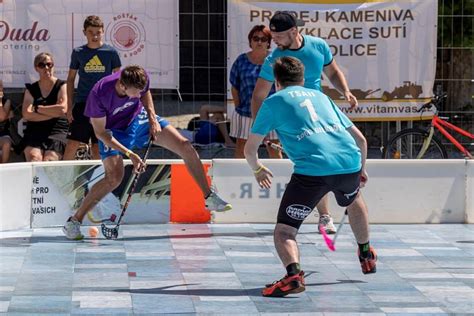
93,232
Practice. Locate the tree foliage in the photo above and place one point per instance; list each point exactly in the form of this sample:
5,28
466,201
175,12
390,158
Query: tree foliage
456,23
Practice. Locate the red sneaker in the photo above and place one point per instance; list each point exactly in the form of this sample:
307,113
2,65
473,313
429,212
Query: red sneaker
288,285
368,265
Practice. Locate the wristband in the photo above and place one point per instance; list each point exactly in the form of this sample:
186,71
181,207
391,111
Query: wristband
258,170
35,108
128,153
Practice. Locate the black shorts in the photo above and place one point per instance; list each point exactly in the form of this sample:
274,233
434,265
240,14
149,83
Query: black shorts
303,193
45,145
81,129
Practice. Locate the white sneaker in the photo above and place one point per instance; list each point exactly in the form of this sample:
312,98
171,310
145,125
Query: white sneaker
215,203
328,224
72,229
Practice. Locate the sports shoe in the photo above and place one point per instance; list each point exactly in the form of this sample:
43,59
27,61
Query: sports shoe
288,285
72,229
328,224
215,203
368,265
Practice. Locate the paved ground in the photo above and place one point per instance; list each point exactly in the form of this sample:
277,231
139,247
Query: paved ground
220,269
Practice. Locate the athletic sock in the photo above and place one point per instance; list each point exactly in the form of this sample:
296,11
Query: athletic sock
70,219
293,269
364,250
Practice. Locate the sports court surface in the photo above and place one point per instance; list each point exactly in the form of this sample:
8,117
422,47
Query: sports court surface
220,269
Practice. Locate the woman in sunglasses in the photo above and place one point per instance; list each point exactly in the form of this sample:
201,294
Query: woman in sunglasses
44,109
243,76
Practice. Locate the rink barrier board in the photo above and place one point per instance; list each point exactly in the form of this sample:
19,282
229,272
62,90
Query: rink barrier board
416,191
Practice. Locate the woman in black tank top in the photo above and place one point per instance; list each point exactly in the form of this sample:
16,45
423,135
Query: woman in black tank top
44,109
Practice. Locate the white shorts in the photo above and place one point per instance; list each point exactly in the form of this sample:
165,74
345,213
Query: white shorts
240,127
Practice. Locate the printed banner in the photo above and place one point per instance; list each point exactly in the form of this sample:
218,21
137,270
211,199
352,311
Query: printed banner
252,204
144,32
59,189
386,49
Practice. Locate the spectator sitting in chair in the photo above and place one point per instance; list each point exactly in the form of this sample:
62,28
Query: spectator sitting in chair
210,127
44,109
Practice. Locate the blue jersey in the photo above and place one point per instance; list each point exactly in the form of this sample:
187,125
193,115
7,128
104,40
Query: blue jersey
312,131
92,65
314,54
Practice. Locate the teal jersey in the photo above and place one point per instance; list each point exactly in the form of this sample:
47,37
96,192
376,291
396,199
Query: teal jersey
312,131
314,54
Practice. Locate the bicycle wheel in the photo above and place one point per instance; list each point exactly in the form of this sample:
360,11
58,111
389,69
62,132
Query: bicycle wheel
408,143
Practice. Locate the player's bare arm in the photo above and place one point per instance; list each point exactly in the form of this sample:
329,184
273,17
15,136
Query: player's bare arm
335,75
235,96
155,127
362,144
71,77
262,174
56,110
262,88
98,123
28,110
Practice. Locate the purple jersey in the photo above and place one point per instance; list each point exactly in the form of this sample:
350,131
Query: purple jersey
103,101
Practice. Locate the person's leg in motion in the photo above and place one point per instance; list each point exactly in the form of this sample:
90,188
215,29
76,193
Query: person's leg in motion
171,139
359,221
301,195
114,172
285,243
325,219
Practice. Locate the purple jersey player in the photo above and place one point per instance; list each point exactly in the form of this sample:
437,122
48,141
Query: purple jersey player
122,114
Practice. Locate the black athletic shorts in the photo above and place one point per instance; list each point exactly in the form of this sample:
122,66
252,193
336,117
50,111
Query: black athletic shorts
304,192
81,129
46,144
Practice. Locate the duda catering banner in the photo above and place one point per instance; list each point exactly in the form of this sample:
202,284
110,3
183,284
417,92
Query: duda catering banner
386,49
144,32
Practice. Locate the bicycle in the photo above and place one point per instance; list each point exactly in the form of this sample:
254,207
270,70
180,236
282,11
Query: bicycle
416,143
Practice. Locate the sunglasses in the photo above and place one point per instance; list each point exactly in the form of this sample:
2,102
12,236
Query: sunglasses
44,65
259,39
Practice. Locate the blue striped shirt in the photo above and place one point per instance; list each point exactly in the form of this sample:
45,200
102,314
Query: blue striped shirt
243,77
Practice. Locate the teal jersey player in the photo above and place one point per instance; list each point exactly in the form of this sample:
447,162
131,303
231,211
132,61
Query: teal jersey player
311,129
314,53
329,154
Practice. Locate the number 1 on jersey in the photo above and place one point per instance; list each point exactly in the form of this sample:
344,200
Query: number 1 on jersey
309,106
